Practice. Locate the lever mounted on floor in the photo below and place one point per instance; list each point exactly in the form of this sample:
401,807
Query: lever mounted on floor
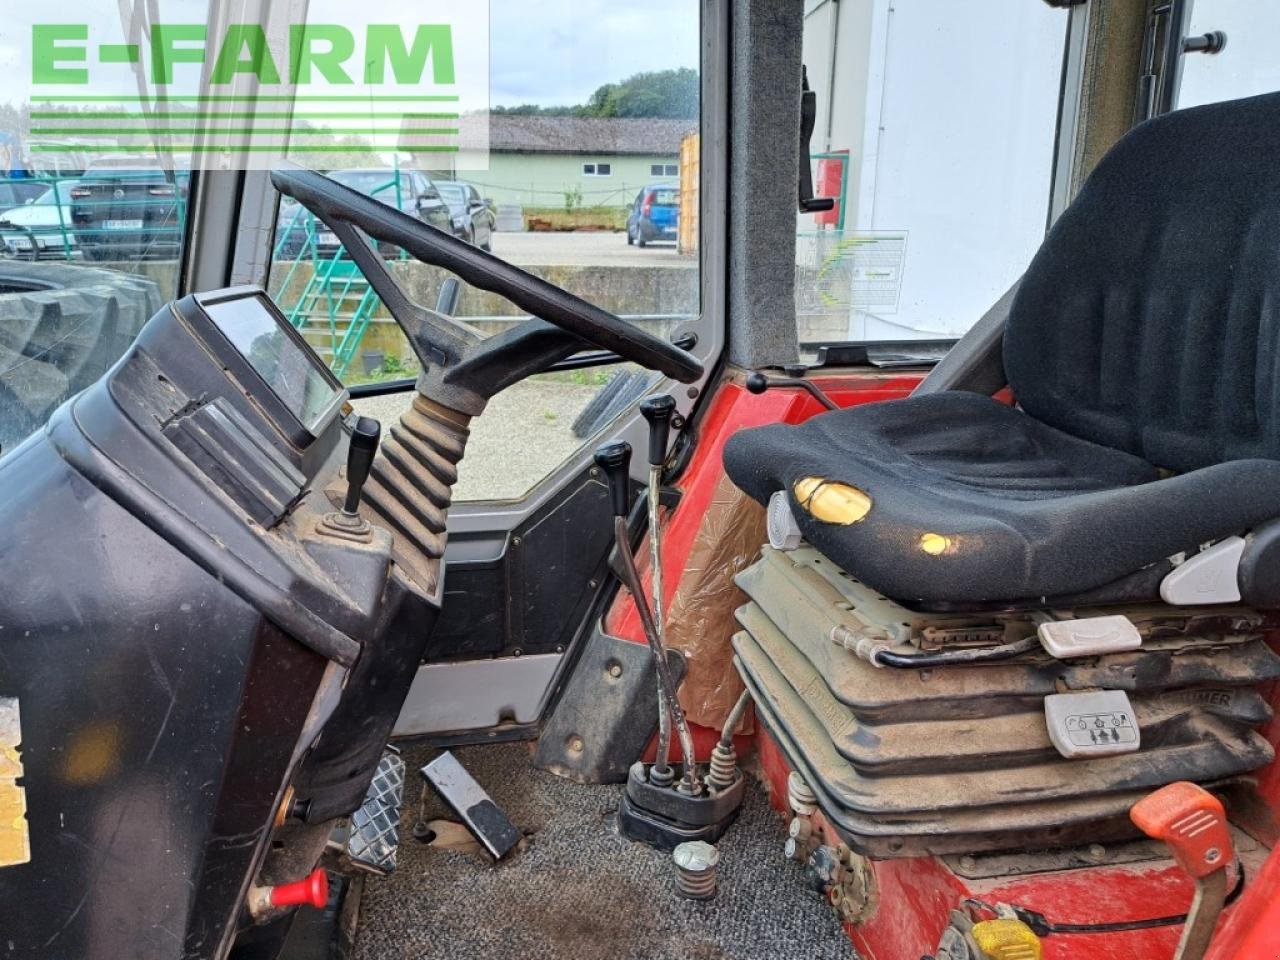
758,382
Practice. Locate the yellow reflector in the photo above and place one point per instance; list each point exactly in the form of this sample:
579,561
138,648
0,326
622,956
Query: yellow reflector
1007,940
934,544
832,502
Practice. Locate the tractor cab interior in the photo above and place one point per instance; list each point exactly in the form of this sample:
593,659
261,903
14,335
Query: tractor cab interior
846,620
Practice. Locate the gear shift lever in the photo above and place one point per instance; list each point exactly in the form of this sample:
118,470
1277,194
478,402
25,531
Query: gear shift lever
615,460
347,524
657,411
364,444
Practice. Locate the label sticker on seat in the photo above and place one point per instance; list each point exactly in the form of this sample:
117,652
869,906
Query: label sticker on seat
1093,724
15,837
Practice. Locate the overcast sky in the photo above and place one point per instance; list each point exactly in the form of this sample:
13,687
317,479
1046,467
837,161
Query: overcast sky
556,52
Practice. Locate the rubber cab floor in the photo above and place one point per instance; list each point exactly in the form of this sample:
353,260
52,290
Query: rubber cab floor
578,890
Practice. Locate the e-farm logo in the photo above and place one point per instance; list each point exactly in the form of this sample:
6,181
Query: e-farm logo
247,94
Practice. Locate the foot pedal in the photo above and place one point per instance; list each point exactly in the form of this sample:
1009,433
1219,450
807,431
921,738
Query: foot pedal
1090,637
663,817
372,836
1097,723
469,801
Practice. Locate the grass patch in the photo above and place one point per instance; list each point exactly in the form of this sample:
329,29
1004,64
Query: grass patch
582,218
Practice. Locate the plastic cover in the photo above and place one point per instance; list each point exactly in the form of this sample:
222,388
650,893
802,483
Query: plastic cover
700,622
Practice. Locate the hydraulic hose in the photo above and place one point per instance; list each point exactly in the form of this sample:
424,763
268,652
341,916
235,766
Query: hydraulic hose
948,658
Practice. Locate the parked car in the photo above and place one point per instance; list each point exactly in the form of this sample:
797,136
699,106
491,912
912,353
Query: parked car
411,191
127,208
477,216
41,229
655,215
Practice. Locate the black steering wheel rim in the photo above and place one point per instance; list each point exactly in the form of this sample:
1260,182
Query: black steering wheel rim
341,208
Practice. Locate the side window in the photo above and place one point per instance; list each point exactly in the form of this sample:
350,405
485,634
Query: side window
1246,66
936,142
562,153
80,211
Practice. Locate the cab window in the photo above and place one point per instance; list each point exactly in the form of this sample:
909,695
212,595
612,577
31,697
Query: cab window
569,145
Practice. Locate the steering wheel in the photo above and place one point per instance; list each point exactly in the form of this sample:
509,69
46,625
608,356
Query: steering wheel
463,367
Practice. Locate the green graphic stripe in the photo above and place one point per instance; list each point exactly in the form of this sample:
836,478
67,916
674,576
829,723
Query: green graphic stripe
280,148
141,131
256,98
64,116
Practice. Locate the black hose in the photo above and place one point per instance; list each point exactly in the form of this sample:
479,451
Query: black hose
947,658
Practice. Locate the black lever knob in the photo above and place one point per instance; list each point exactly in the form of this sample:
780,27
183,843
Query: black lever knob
364,444
758,382
615,460
658,411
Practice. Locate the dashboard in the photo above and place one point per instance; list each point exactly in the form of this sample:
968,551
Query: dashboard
244,657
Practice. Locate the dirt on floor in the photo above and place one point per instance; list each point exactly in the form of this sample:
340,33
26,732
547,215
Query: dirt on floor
579,890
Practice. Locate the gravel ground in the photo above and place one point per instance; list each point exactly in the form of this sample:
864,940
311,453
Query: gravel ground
580,890
523,435
588,248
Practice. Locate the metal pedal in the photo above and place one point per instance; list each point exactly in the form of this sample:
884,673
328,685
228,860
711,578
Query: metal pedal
468,799
370,840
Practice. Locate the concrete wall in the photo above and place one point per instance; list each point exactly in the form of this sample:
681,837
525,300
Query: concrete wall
540,180
658,293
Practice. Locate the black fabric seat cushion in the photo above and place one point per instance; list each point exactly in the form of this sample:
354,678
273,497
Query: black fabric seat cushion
1149,320
1146,331
1028,510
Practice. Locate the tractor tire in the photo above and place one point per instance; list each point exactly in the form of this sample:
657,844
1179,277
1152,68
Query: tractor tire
584,423
62,326
624,389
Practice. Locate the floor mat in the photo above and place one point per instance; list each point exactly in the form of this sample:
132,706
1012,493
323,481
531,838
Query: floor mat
579,890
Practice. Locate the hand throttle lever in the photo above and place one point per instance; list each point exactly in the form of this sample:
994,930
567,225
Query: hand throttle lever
1193,824
657,412
360,453
614,459
758,382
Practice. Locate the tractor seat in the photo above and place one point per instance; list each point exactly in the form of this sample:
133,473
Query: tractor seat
1142,349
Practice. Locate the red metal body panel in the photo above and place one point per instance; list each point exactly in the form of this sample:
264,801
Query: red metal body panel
733,409
915,896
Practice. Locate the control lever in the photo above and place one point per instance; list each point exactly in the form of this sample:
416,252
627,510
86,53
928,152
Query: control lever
347,524
758,382
615,460
657,411
360,453
1192,822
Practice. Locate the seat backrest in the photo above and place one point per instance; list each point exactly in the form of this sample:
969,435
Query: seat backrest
1149,320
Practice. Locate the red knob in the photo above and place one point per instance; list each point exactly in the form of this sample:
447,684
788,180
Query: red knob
313,891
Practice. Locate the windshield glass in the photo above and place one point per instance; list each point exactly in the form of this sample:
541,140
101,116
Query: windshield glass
372,181
454,196
539,161
61,193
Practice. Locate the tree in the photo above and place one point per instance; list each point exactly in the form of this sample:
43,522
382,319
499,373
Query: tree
670,94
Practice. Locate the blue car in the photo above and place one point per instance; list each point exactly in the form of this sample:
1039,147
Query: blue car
655,215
